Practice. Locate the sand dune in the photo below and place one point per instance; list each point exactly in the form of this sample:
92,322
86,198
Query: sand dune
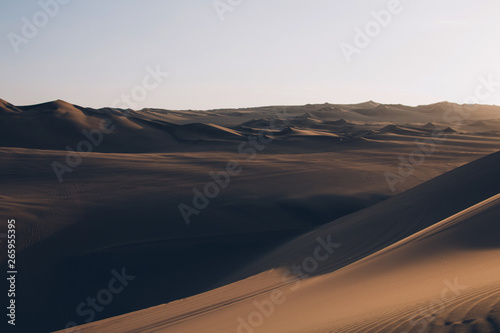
51,125
55,125
119,207
404,130
7,108
400,267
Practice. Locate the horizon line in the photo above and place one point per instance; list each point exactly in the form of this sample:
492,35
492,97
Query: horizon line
248,107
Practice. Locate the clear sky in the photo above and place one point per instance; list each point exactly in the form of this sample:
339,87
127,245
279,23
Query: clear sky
264,52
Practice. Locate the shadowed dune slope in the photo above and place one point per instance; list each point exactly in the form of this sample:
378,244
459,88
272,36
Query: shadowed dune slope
392,264
58,124
375,227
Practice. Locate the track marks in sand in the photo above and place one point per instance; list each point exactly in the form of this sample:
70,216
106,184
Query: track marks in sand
475,311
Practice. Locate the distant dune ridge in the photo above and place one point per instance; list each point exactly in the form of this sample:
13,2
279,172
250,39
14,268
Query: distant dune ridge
420,254
51,125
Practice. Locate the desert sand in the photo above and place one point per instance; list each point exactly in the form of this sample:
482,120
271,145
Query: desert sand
398,270
308,236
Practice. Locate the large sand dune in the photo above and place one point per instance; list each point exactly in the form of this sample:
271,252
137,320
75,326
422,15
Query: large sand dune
413,273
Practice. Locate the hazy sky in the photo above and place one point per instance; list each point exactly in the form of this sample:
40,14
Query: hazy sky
264,52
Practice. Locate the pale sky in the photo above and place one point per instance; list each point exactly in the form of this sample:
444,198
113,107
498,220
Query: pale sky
264,52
